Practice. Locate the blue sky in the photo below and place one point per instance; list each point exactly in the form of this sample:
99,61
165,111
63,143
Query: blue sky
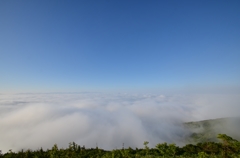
63,46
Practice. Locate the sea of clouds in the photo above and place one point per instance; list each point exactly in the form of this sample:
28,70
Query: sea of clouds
108,120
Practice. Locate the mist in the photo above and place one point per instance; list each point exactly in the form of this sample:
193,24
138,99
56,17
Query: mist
32,121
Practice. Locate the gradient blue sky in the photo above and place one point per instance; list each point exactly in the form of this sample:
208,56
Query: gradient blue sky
58,46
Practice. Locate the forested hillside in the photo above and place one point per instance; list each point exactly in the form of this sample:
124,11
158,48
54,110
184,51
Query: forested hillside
206,130
203,141
227,147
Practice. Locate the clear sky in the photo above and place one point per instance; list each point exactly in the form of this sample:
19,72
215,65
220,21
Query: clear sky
86,45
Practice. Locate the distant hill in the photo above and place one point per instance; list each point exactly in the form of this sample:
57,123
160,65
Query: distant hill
207,130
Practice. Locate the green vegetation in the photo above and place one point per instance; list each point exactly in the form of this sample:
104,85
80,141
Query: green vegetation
206,131
226,148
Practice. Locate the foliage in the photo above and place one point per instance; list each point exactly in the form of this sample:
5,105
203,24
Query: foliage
206,130
227,148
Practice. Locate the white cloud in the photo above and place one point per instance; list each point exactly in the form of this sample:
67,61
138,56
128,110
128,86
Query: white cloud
40,120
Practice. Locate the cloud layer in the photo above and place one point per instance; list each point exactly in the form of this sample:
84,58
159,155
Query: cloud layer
41,120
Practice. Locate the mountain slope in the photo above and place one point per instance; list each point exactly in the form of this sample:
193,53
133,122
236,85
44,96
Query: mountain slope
207,130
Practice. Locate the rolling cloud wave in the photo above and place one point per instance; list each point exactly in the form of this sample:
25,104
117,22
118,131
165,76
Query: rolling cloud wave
40,120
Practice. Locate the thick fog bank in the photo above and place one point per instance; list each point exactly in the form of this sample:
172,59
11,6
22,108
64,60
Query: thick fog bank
109,120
